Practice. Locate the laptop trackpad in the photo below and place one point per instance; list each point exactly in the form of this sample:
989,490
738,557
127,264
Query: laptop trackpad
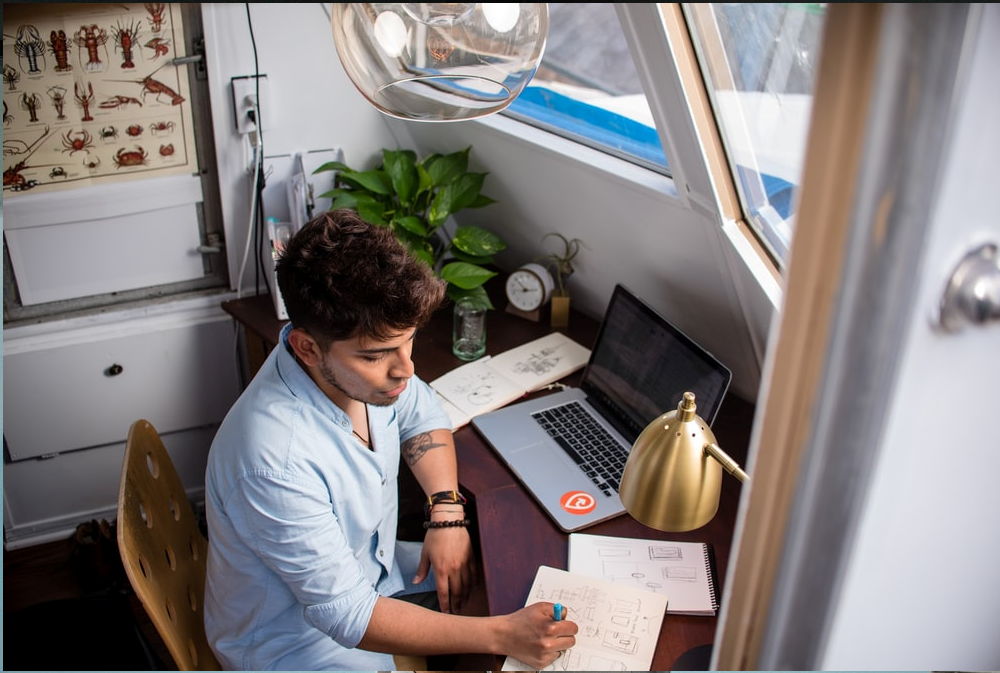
539,459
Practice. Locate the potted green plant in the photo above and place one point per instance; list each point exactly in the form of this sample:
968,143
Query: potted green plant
415,198
560,265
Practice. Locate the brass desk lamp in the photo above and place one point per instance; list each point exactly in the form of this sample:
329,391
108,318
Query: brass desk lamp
673,477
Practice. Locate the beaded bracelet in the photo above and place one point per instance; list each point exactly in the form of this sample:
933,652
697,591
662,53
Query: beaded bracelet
453,523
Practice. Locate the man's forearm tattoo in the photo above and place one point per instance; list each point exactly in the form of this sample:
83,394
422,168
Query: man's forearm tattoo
414,448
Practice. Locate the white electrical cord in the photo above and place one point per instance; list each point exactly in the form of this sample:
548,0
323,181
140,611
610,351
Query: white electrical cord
252,140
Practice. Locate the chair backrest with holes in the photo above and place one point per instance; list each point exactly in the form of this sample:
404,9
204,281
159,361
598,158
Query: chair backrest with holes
163,549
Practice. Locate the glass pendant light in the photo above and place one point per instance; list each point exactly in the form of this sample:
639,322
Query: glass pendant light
440,61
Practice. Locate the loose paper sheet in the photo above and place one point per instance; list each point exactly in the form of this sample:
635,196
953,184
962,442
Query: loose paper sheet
619,625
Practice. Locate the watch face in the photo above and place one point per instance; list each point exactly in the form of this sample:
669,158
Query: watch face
525,290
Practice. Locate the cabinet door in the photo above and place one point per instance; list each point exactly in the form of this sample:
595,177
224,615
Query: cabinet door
85,394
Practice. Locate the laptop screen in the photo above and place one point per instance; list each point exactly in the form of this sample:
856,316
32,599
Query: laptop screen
641,366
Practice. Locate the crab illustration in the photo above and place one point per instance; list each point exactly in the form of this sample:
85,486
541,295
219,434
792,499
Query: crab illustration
136,157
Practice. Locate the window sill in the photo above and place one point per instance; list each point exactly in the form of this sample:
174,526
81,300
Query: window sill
615,168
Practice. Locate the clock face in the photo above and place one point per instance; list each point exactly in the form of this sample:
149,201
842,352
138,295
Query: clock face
529,287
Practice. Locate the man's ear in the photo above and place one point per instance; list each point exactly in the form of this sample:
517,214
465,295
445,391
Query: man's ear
305,347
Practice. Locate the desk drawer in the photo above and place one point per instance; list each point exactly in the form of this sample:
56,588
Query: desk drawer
87,393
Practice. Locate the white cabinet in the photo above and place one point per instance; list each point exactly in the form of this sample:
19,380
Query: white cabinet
73,388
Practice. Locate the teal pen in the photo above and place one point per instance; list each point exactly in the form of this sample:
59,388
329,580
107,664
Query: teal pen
558,610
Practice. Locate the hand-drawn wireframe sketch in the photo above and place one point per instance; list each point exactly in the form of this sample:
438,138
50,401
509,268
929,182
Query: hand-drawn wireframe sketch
680,570
619,625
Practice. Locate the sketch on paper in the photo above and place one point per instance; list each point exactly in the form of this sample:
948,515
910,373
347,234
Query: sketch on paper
619,626
680,570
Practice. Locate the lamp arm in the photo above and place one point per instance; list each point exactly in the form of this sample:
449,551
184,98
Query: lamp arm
730,465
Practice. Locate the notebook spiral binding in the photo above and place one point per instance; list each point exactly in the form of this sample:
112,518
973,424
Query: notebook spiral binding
710,569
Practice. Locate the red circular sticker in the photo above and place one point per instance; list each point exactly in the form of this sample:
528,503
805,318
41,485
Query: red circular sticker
578,502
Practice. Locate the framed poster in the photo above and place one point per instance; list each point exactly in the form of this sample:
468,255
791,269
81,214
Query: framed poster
91,95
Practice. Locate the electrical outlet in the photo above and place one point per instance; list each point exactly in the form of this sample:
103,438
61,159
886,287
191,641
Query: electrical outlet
245,92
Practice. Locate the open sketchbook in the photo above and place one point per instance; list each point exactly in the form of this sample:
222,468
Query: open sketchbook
619,625
684,572
489,383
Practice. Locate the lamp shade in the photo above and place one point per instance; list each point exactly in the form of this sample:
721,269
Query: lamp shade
673,477
440,61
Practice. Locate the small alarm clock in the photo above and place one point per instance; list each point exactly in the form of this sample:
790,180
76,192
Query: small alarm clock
529,287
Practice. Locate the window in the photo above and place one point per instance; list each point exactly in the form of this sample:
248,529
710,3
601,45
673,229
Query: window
757,60
587,88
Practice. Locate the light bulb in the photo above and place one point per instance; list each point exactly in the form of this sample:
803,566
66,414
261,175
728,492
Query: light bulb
502,16
390,33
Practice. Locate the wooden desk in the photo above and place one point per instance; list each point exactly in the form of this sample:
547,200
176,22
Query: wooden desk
515,535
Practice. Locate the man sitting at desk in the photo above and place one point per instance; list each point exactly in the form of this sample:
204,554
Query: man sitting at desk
304,569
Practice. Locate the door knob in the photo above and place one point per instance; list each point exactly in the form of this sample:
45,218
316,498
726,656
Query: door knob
973,292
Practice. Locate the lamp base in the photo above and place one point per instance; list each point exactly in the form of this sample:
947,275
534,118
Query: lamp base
698,658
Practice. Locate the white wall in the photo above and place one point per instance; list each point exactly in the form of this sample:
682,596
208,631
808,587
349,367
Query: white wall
637,231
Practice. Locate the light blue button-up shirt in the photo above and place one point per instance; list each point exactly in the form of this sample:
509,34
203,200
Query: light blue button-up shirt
302,522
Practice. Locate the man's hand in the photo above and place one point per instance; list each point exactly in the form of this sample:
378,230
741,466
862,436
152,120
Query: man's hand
535,638
449,552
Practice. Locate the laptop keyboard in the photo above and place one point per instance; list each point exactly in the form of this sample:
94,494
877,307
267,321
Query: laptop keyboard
594,449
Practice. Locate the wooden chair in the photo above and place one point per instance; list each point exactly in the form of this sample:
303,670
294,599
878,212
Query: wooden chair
163,549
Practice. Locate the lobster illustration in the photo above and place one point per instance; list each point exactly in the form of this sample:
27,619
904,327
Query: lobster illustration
10,77
125,37
155,10
60,49
29,45
155,87
159,46
84,100
57,94
31,103
119,101
91,38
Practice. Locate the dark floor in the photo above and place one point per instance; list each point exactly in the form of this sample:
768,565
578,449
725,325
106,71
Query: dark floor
76,593
72,597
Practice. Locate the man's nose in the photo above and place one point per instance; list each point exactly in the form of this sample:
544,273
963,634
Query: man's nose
402,367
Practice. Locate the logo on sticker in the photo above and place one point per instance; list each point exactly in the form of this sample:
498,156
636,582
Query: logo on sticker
578,502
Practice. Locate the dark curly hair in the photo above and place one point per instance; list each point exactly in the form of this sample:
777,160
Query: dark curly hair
341,277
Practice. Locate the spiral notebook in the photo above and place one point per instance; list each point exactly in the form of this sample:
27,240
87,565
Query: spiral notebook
683,571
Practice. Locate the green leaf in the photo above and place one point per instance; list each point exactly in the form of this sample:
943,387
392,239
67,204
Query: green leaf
401,167
465,275
333,166
444,169
412,224
480,201
477,241
336,193
455,196
471,259
373,181
342,200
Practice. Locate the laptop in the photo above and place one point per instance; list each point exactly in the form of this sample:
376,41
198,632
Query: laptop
569,448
